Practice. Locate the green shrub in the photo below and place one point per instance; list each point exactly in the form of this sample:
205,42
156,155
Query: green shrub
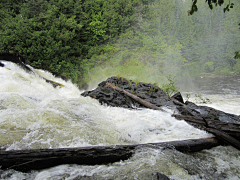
170,88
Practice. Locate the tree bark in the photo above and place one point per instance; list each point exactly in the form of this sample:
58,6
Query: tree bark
136,98
36,159
225,137
226,132
190,119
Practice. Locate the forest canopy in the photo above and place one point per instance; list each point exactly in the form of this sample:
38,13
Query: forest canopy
144,39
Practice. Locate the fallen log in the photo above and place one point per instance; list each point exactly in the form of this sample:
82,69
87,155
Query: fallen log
225,137
190,119
36,159
231,129
139,100
226,132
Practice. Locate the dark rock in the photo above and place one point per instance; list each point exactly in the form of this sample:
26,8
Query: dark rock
160,176
16,59
66,78
211,113
111,97
178,97
1,64
153,176
156,96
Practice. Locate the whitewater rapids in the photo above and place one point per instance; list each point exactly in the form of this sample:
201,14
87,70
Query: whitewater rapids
35,115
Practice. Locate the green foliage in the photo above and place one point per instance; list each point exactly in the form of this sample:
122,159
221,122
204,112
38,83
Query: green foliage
194,7
155,84
152,89
200,99
208,66
188,96
163,42
170,88
237,55
229,6
88,41
132,91
63,36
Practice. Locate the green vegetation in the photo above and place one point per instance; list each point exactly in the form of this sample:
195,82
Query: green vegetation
90,40
63,36
188,96
200,99
210,3
132,91
170,88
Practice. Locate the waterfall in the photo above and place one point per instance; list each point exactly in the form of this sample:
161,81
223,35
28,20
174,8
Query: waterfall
35,115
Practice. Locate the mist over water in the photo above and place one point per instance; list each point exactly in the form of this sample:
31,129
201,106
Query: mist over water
36,115
223,92
167,40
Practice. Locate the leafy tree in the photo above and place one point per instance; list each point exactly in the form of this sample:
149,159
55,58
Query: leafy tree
194,7
138,38
230,5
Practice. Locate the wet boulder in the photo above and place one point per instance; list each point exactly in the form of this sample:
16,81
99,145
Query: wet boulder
1,64
148,92
178,97
156,96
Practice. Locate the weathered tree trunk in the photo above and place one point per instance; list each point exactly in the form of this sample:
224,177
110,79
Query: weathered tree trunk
225,137
227,132
190,119
139,100
36,159
215,127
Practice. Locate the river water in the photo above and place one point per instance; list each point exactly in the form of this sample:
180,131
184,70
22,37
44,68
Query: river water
36,115
223,92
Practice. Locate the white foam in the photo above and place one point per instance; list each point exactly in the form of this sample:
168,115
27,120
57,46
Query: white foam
36,115
61,117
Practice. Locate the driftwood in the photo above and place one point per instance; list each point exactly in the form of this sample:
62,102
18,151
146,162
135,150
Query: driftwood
36,159
139,100
225,137
227,132
190,119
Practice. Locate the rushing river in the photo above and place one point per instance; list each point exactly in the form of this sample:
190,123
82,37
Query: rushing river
223,92
35,115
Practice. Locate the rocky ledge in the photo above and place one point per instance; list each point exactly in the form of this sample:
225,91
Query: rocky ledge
150,93
154,95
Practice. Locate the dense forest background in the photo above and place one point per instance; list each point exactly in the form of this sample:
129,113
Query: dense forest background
145,40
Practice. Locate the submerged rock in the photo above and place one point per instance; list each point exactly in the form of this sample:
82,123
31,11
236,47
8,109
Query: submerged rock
1,64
